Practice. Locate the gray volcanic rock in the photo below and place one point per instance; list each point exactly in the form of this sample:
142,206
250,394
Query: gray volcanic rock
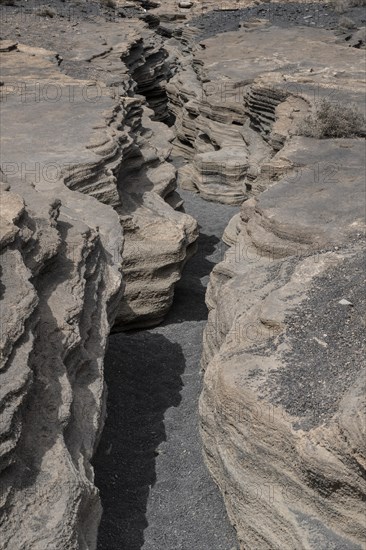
240,97
283,360
282,409
125,161
213,133
89,164
158,239
88,171
59,294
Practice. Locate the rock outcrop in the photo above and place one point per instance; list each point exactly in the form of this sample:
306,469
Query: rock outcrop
60,289
126,160
283,404
237,100
213,133
94,238
158,238
85,171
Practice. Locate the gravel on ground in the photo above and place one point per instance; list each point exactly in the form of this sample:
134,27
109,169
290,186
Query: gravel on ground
285,14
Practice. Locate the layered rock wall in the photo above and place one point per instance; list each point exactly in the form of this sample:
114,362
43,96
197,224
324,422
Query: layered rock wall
60,293
237,100
88,176
283,406
158,239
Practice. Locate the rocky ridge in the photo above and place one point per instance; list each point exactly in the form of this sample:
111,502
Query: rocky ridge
287,452
60,293
290,475
234,112
282,412
125,161
89,175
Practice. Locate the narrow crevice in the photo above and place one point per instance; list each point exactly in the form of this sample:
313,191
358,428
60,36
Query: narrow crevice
155,489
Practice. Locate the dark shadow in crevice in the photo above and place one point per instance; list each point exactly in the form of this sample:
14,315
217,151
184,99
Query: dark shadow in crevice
143,376
189,295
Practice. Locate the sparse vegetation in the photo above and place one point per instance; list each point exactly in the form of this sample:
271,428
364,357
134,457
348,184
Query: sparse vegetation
340,6
45,11
346,23
332,120
108,3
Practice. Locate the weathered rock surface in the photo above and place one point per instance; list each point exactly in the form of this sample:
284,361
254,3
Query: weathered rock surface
283,405
158,239
125,162
213,133
86,163
282,408
60,290
241,96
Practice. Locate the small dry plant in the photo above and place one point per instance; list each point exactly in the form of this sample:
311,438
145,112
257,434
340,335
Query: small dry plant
346,23
45,11
108,3
332,120
340,6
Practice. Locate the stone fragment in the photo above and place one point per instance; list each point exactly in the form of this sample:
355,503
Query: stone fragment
345,302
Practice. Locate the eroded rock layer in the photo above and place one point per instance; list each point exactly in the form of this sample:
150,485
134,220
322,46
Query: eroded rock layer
60,292
85,171
240,95
282,412
283,404
125,163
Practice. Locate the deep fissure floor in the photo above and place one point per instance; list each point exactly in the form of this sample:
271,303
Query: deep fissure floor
155,489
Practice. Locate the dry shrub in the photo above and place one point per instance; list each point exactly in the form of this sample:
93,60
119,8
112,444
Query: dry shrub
108,3
332,120
340,6
45,11
346,23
